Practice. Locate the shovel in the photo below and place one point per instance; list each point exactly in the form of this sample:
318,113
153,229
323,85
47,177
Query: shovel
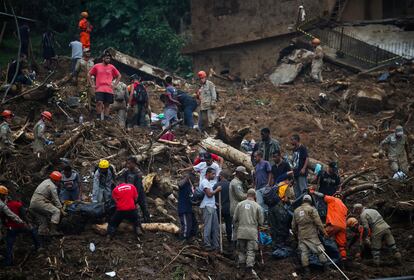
69,118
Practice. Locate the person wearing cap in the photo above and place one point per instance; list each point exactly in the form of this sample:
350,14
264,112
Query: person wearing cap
138,103
71,184
6,139
237,188
267,146
85,30
335,220
373,222
209,210
300,160
5,210
45,205
208,98
357,234
121,97
82,68
248,216
103,182
317,60
105,74
306,226
40,139
225,202
398,150
133,175
77,53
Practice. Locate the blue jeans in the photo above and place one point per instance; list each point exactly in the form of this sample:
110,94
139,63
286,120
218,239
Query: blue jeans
71,195
11,238
260,200
301,184
188,114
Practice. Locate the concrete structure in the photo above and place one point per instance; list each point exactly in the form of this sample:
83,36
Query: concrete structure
244,38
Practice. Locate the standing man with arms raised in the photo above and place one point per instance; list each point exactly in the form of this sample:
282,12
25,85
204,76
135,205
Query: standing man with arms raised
104,74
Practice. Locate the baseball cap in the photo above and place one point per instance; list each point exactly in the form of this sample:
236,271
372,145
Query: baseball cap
241,169
251,192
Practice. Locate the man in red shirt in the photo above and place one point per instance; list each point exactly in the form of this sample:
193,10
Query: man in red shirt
104,74
126,198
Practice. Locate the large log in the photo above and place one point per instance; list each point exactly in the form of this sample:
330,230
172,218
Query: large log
237,157
231,137
125,227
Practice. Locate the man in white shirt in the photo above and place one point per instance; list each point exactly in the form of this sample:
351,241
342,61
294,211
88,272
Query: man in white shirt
208,208
204,165
77,53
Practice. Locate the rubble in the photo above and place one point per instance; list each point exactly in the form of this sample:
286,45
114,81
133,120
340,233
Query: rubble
370,100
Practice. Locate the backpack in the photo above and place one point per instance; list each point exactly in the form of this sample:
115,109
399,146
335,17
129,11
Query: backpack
197,197
140,94
271,195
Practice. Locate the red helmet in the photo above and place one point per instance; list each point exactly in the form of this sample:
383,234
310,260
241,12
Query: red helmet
55,176
201,74
7,114
47,115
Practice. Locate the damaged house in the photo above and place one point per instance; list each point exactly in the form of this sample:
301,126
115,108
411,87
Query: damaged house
244,38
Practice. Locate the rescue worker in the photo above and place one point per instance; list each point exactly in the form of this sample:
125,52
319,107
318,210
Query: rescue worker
103,181
170,103
119,106
85,30
15,229
208,99
4,209
372,221
188,106
306,225
138,103
71,184
336,220
40,139
248,216
357,233
45,205
125,197
236,188
6,139
188,220
279,217
317,61
267,146
105,73
398,150
82,68
133,175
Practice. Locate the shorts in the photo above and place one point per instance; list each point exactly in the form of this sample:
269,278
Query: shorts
107,98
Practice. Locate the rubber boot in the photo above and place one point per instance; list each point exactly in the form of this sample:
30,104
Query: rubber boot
397,257
53,231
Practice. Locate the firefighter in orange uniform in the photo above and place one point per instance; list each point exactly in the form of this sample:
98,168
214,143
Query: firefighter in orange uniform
85,30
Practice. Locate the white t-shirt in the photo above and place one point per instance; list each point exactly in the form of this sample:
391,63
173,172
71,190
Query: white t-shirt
202,169
207,201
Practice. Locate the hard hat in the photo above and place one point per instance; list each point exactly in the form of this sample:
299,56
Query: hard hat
202,74
7,114
4,190
316,41
84,14
103,164
351,222
47,115
55,176
282,189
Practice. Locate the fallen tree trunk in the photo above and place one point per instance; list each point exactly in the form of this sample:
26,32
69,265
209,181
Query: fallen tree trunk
237,157
233,138
359,188
156,149
348,179
125,227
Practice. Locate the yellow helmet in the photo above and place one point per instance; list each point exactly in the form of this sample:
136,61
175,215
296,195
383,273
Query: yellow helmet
351,222
282,189
103,164
4,190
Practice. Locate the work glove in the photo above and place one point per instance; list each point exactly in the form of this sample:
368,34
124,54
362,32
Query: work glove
49,142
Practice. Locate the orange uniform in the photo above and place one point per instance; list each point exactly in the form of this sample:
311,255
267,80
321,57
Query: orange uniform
85,34
336,222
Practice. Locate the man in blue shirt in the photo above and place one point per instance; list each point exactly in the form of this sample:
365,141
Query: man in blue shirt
262,177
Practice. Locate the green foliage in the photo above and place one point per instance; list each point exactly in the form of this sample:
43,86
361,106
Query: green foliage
147,29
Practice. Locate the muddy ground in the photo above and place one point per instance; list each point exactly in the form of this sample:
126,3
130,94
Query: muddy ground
325,128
